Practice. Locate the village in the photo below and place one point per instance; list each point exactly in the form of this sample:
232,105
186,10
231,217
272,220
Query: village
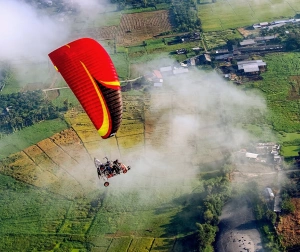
239,63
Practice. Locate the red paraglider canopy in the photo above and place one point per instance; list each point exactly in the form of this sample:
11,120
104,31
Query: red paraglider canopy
91,75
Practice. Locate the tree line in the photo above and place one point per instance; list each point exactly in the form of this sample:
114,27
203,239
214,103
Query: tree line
217,192
19,110
184,16
122,4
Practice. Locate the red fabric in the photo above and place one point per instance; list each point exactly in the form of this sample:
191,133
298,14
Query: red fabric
68,60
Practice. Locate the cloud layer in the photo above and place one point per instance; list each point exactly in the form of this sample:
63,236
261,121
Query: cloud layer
26,34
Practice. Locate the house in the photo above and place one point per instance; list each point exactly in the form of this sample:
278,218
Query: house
251,66
227,56
269,193
250,155
256,26
220,51
204,59
166,71
157,74
265,38
247,42
276,25
180,70
262,24
192,61
277,204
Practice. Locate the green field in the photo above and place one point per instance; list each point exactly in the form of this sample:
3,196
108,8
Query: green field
220,38
27,75
148,219
225,14
64,94
26,137
277,86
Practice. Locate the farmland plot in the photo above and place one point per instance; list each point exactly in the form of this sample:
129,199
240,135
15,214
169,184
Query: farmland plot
238,13
279,84
135,28
219,39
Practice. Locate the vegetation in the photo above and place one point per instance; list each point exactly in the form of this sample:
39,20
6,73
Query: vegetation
266,219
44,221
8,79
122,4
28,136
184,16
19,110
221,15
277,86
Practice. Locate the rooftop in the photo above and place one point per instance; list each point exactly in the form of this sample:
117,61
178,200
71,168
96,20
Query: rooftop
180,70
251,155
277,203
165,69
247,42
253,67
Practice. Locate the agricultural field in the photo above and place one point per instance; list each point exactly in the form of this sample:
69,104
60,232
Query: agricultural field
228,14
291,144
278,86
52,199
159,211
219,39
16,142
135,28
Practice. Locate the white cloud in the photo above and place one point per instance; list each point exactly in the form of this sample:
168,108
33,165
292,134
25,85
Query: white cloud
27,34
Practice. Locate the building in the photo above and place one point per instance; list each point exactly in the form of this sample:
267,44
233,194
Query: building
265,38
250,155
262,24
269,193
247,42
166,71
277,204
227,56
180,70
251,66
204,59
158,75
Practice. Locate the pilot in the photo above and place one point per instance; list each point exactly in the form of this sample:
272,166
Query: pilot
108,167
116,166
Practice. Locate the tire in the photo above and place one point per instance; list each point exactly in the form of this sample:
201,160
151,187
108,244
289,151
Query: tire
106,184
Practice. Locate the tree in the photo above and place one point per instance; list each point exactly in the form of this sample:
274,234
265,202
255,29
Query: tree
208,216
271,216
287,206
206,235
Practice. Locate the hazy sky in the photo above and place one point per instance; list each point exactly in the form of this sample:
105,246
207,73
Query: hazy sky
26,34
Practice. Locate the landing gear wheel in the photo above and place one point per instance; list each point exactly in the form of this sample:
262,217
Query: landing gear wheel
106,184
